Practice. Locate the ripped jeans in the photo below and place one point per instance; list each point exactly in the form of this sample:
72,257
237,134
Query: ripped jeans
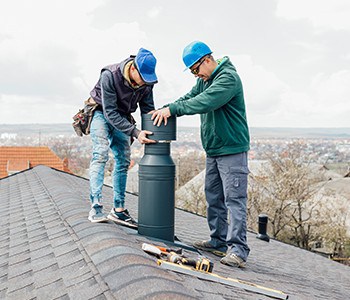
104,137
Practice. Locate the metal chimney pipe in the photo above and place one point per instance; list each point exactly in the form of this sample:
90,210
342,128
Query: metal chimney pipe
262,235
156,207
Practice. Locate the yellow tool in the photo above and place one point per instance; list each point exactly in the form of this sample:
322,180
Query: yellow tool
220,279
176,256
200,264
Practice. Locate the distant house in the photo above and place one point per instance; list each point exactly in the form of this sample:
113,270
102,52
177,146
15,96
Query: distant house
17,159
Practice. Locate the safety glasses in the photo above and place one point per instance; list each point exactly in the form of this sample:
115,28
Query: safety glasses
195,71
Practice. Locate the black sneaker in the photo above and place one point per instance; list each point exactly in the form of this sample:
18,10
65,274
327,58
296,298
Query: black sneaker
206,246
122,217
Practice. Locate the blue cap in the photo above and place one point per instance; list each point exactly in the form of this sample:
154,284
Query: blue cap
146,65
194,52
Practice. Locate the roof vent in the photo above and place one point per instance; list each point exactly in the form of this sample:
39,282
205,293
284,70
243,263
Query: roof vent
156,213
262,235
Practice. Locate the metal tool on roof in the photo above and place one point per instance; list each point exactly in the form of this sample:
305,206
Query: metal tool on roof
158,250
200,263
220,279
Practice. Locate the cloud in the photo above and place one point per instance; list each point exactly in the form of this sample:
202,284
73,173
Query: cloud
30,109
51,53
154,12
56,55
262,88
62,40
272,102
333,88
42,71
325,102
322,14
326,94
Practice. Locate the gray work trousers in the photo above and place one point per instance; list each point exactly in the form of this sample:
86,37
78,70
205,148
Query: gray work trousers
226,194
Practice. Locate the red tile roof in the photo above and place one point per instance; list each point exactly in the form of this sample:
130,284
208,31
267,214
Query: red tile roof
15,159
17,165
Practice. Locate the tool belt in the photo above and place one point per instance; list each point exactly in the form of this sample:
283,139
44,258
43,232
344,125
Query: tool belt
82,119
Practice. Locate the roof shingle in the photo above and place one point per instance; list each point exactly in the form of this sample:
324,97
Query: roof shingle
48,249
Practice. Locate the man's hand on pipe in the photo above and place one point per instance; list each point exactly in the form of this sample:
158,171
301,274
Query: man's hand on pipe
161,115
142,137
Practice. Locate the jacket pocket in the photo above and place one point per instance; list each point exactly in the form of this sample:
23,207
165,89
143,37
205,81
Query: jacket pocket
210,139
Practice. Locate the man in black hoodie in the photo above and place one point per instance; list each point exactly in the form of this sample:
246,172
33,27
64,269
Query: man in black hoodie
122,87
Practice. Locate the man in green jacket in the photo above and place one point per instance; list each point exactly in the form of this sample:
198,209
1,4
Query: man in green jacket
218,98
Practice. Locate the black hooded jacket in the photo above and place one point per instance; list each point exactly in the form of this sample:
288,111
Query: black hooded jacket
119,99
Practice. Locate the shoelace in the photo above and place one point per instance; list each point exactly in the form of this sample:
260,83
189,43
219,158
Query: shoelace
98,209
126,216
129,218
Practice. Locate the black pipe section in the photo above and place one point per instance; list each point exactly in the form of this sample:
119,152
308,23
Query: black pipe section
156,207
262,235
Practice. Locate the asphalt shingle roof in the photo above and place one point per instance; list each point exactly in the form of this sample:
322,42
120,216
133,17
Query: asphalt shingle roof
49,250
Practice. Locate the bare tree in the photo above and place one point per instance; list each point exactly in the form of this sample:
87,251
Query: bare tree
75,149
188,165
285,192
193,200
63,148
333,230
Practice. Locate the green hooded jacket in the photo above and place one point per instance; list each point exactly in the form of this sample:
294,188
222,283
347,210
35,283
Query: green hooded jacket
220,103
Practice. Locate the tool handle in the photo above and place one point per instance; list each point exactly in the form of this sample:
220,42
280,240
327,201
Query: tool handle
151,249
163,249
189,261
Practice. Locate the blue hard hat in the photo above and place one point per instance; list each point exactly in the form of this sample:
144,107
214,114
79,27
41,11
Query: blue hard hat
146,65
194,52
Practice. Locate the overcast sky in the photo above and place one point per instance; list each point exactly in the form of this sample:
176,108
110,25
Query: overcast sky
293,55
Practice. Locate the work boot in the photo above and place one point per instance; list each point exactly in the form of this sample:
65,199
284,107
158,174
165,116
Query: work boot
96,214
233,260
206,246
122,217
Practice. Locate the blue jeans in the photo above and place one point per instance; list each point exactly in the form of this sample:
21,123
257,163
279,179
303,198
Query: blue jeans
226,194
104,137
